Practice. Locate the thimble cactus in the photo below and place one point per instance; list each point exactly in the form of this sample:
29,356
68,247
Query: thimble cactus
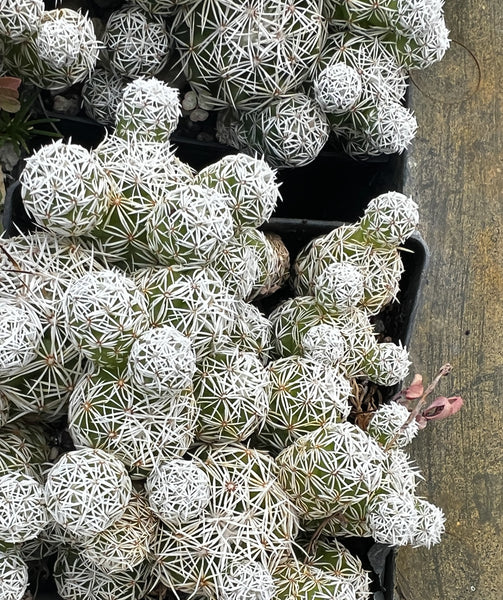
339,287
4,415
105,312
20,19
190,226
249,518
20,335
136,42
390,425
389,129
64,189
252,330
106,411
393,519
337,88
430,524
13,575
101,94
247,579
161,361
248,183
273,261
289,132
334,557
87,490
297,580
237,264
390,219
18,454
325,344
305,395
371,245
76,577
232,392
196,303
148,109
178,490
126,543
142,174
334,466
23,514
246,58
62,51
387,364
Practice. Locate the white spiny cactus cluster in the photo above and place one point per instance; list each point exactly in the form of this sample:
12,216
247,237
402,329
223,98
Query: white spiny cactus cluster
136,42
160,429
52,49
283,78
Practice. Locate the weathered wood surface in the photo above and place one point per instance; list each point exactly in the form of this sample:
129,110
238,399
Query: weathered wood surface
455,173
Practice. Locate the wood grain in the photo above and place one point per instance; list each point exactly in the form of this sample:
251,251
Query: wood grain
454,170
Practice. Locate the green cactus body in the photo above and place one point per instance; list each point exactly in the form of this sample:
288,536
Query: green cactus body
143,173
87,490
291,319
195,302
107,412
105,312
305,395
289,132
127,543
62,51
43,387
332,556
149,110
101,94
64,189
76,577
13,574
249,518
252,331
245,58
381,267
238,266
190,226
273,261
232,391
20,19
15,456
361,14
331,468
248,183
24,447
298,581
136,42
23,514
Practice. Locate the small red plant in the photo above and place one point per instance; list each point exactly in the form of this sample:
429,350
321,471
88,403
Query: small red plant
440,408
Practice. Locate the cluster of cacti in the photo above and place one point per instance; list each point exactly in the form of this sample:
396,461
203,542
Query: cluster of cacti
52,49
204,437
288,74
282,76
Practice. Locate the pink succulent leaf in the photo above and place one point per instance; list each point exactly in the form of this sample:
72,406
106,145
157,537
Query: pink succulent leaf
442,408
421,421
416,388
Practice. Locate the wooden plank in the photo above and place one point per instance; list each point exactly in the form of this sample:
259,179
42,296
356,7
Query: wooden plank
455,173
